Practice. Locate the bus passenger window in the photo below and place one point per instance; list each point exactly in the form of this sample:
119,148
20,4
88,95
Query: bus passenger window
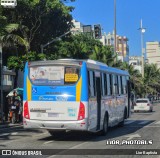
102,82
119,85
124,83
105,84
89,91
109,78
116,84
92,83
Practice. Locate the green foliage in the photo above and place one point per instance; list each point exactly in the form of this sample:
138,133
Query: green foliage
15,62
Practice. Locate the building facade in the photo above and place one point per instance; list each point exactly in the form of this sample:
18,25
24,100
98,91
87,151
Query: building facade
122,47
78,27
153,52
136,62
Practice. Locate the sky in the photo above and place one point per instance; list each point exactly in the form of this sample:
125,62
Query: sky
129,15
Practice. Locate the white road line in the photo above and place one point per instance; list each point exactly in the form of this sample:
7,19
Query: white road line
14,133
4,134
48,142
152,126
129,122
144,122
157,122
74,147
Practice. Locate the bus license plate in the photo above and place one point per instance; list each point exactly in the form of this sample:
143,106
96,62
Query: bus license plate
53,115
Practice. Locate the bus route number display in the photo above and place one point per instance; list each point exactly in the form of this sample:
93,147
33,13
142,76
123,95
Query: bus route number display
71,75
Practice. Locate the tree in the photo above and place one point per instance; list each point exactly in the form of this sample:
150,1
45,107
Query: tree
45,20
78,46
151,78
103,54
135,77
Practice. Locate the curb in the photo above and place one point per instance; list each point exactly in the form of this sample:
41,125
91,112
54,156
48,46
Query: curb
10,125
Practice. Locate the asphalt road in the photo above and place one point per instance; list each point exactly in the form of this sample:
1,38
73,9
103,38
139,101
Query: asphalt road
144,127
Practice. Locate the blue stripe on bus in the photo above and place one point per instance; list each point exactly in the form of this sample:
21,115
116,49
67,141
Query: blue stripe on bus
54,93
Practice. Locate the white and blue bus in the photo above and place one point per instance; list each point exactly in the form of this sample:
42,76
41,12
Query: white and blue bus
81,95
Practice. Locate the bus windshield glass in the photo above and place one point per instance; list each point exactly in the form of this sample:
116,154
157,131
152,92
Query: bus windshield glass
53,75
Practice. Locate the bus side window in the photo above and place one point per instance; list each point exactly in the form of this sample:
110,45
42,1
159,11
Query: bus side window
91,83
110,86
116,85
105,84
89,89
113,84
94,83
102,83
119,85
124,83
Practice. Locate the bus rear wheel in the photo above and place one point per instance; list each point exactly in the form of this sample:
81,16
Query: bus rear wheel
105,126
121,124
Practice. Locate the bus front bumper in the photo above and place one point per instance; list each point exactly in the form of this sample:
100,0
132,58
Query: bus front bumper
56,125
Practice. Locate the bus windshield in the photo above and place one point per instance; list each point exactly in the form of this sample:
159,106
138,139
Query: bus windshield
54,75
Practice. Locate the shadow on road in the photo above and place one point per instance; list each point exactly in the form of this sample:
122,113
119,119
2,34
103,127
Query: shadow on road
113,132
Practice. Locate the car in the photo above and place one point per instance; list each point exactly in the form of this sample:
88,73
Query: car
143,104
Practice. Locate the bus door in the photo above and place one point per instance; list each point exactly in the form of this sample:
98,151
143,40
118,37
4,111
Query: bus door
98,92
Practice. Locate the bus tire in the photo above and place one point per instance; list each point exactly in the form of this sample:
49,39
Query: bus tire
105,125
121,124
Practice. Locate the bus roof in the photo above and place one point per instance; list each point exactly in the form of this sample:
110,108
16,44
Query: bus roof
90,64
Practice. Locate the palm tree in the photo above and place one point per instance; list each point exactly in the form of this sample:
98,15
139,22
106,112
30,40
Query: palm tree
9,37
103,54
135,77
151,78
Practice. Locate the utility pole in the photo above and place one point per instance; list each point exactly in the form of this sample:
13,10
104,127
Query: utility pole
142,32
115,32
1,82
56,39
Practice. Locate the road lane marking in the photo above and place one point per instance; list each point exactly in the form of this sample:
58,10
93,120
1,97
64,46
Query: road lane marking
157,122
4,134
14,133
74,147
129,122
48,142
153,126
133,136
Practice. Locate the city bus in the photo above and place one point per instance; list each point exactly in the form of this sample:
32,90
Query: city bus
80,95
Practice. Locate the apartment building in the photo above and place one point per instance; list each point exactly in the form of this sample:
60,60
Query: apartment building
78,27
122,47
136,62
153,52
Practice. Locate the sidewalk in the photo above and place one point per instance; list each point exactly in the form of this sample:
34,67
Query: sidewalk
8,124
